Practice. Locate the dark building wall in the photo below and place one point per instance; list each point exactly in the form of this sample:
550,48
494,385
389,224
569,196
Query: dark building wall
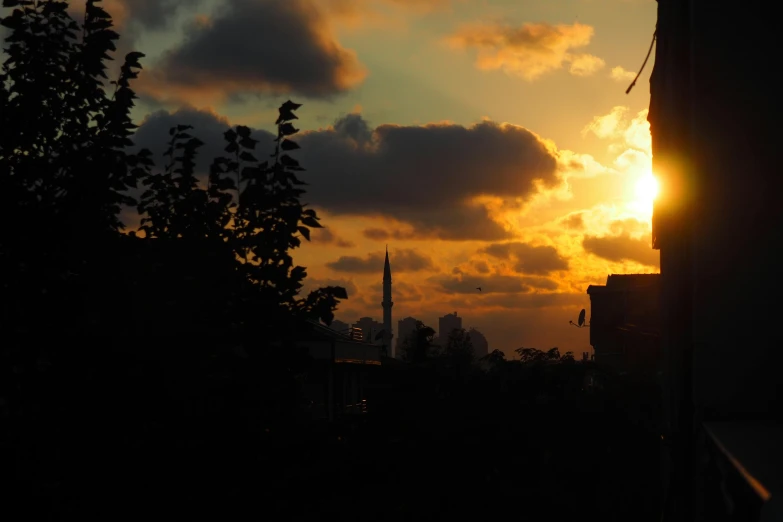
625,323
738,215
714,122
715,125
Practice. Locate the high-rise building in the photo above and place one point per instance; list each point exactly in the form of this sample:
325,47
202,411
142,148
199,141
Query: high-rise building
387,306
339,326
370,329
405,327
479,342
446,325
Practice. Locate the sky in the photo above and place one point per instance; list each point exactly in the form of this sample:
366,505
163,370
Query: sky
488,143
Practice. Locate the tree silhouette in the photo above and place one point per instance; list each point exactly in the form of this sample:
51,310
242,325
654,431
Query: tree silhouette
459,350
530,355
418,347
65,175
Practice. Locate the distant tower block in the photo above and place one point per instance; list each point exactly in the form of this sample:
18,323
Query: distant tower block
387,307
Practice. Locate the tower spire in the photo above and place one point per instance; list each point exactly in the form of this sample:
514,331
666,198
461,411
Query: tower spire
387,305
387,268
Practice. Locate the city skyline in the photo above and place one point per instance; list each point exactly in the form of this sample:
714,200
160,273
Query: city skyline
491,144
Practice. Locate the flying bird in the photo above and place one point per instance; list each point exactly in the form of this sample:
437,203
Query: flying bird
478,288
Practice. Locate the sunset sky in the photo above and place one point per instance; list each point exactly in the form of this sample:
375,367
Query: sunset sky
489,142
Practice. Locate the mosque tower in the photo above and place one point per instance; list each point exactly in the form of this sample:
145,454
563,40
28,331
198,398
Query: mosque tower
387,307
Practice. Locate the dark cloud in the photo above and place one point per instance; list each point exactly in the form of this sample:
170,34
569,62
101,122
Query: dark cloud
534,300
379,234
311,284
402,292
623,247
402,260
421,176
528,259
326,236
146,14
426,176
461,283
574,221
482,267
256,47
208,126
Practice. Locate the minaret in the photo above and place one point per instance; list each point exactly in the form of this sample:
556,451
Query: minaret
387,306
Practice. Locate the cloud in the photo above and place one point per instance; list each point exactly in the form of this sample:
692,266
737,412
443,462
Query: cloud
208,126
312,283
490,284
528,51
537,300
623,247
402,292
147,14
630,226
585,64
252,47
608,125
574,221
528,259
619,74
402,260
481,266
616,125
326,236
379,234
441,179
437,180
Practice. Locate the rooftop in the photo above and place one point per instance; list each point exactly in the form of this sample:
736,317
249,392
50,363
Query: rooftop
616,282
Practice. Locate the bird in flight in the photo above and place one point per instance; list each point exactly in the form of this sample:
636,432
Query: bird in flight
478,288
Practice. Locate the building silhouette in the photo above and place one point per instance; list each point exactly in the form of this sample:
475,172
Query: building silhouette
479,343
370,329
717,223
387,307
339,326
625,323
405,327
446,325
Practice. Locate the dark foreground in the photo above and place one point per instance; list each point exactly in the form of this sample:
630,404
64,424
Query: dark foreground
478,451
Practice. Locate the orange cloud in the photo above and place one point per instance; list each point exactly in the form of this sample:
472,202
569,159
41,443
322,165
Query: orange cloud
529,51
623,247
405,260
326,236
619,74
528,259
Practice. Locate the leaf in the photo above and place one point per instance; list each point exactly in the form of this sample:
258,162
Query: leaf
288,161
248,143
181,128
251,173
339,292
230,135
298,273
286,112
286,129
289,145
311,222
305,232
246,156
244,132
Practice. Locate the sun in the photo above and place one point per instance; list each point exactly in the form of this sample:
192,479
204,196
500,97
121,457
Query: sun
647,188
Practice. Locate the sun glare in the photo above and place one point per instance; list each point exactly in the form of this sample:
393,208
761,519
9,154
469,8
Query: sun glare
647,188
